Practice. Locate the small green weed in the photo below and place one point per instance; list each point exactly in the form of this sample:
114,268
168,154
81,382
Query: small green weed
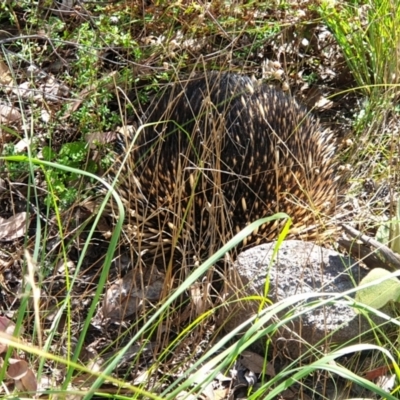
15,170
66,185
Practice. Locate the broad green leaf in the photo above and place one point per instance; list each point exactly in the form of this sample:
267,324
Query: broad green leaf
395,245
389,232
378,295
48,153
383,233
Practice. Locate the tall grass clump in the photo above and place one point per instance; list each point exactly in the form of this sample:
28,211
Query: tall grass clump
369,36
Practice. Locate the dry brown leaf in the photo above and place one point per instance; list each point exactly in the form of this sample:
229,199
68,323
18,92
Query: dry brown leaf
5,74
142,377
186,395
9,114
255,363
96,138
29,381
199,298
84,380
3,347
220,394
17,368
105,228
130,294
323,103
292,394
13,227
65,266
71,397
208,391
22,145
53,90
23,90
315,98
6,326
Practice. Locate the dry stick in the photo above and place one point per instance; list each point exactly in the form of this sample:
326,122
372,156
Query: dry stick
372,252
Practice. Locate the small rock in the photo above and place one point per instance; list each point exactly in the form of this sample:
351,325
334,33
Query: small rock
300,267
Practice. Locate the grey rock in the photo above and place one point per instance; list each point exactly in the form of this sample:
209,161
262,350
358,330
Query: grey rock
300,267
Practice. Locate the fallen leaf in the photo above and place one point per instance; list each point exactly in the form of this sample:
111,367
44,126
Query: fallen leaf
29,382
25,379
9,114
377,372
186,395
7,326
255,363
100,138
4,325
17,368
132,293
387,382
199,295
220,394
22,145
53,90
23,90
5,74
13,227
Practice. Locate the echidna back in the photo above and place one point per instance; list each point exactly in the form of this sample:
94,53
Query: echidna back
218,152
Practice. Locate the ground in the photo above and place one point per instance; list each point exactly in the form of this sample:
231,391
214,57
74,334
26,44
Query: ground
73,76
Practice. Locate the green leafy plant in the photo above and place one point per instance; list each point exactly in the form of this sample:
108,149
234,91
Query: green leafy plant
15,170
65,184
385,289
44,349
368,34
103,48
389,232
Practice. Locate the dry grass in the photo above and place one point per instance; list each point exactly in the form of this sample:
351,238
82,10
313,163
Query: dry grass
100,67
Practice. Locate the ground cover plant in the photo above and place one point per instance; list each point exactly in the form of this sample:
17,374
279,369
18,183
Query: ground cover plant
74,77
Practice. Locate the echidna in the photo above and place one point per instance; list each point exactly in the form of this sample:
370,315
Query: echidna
217,152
